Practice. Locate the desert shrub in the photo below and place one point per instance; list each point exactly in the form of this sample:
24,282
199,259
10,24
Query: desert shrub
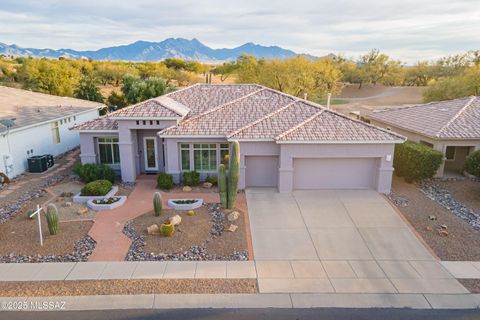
415,161
91,172
97,188
212,179
191,178
472,164
164,181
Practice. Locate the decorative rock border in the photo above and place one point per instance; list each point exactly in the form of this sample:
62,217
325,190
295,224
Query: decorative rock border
83,199
100,207
82,250
185,206
194,253
434,192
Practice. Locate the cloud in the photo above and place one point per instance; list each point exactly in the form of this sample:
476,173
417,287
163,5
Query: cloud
406,29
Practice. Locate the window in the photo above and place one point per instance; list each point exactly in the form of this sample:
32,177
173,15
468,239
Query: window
185,155
55,132
203,156
450,153
108,150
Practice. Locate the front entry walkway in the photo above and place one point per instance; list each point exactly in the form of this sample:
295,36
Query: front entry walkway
339,241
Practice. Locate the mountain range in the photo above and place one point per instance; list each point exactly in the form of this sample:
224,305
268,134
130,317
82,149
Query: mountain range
140,51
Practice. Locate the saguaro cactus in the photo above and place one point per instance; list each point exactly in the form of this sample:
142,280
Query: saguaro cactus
52,219
222,185
157,203
233,174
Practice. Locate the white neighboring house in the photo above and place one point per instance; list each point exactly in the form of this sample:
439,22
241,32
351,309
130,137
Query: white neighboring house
34,123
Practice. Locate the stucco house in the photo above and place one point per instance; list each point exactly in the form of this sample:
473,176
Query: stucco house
33,123
452,127
285,142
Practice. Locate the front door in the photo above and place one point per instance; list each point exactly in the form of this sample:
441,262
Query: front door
150,152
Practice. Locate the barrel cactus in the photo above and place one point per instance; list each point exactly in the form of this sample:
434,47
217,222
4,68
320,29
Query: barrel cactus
52,219
167,229
222,185
157,203
233,174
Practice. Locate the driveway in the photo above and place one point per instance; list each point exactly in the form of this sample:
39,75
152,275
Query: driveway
339,241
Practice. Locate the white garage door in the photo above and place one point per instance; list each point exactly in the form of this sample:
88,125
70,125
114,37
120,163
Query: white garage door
261,171
334,173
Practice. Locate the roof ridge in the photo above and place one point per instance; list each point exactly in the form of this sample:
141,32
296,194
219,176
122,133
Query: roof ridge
366,124
269,115
311,103
281,135
220,106
455,117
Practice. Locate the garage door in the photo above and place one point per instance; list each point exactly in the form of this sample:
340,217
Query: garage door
261,171
338,173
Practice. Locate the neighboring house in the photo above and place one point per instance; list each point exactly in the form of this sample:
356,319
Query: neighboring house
285,142
452,127
40,126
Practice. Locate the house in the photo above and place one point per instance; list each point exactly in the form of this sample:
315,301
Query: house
452,127
34,123
285,142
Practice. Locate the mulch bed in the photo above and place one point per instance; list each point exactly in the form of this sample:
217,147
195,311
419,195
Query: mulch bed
462,243
194,231
126,287
472,285
19,236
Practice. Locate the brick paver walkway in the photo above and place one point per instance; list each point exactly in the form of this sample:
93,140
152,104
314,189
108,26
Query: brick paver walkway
107,230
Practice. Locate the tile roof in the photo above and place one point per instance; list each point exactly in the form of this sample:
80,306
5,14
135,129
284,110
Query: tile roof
29,108
248,112
453,119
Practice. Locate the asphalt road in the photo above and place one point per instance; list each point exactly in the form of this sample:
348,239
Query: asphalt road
251,314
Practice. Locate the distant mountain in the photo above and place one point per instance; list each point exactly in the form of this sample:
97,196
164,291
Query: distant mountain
155,51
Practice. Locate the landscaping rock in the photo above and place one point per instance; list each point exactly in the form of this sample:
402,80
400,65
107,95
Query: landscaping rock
66,194
207,185
175,220
443,233
190,213
398,200
444,227
83,211
434,192
233,216
432,217
429,229
186,189
153,229
232,228
67,204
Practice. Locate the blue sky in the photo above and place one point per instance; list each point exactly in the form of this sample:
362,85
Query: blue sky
405,29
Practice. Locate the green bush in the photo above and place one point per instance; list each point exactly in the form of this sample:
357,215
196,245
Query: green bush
191,178
96,188
415,161
212,179
164,181
91,172
472,164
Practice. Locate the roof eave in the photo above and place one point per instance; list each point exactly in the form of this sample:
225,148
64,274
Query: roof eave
191,136
145,118
340,141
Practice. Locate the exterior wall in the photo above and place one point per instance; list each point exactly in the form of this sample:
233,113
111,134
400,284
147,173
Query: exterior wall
89,152
38,140
255,149
382,152
172,155
457,163
440,145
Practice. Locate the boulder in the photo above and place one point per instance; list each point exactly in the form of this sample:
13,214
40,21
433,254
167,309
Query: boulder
443,233
432,217
232,228
67,204
83,211
187,189
207,185
233,216
153,229
175,220
428,228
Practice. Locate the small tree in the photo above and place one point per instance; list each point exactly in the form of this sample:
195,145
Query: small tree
87,89
472,164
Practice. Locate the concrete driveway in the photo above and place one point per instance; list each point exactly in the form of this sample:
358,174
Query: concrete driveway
339,241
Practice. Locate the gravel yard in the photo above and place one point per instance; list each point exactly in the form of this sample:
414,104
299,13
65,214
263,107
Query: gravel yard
465,191
462,242
472,285
199,237
109,287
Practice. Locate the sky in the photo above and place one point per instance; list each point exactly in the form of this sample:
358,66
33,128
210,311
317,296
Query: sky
404,29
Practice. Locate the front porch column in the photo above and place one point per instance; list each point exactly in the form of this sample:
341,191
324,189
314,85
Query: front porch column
128,157
441,169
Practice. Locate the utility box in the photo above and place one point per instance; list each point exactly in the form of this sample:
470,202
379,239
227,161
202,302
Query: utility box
37,164
50,161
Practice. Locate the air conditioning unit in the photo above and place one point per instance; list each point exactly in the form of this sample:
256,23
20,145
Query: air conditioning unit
8,162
